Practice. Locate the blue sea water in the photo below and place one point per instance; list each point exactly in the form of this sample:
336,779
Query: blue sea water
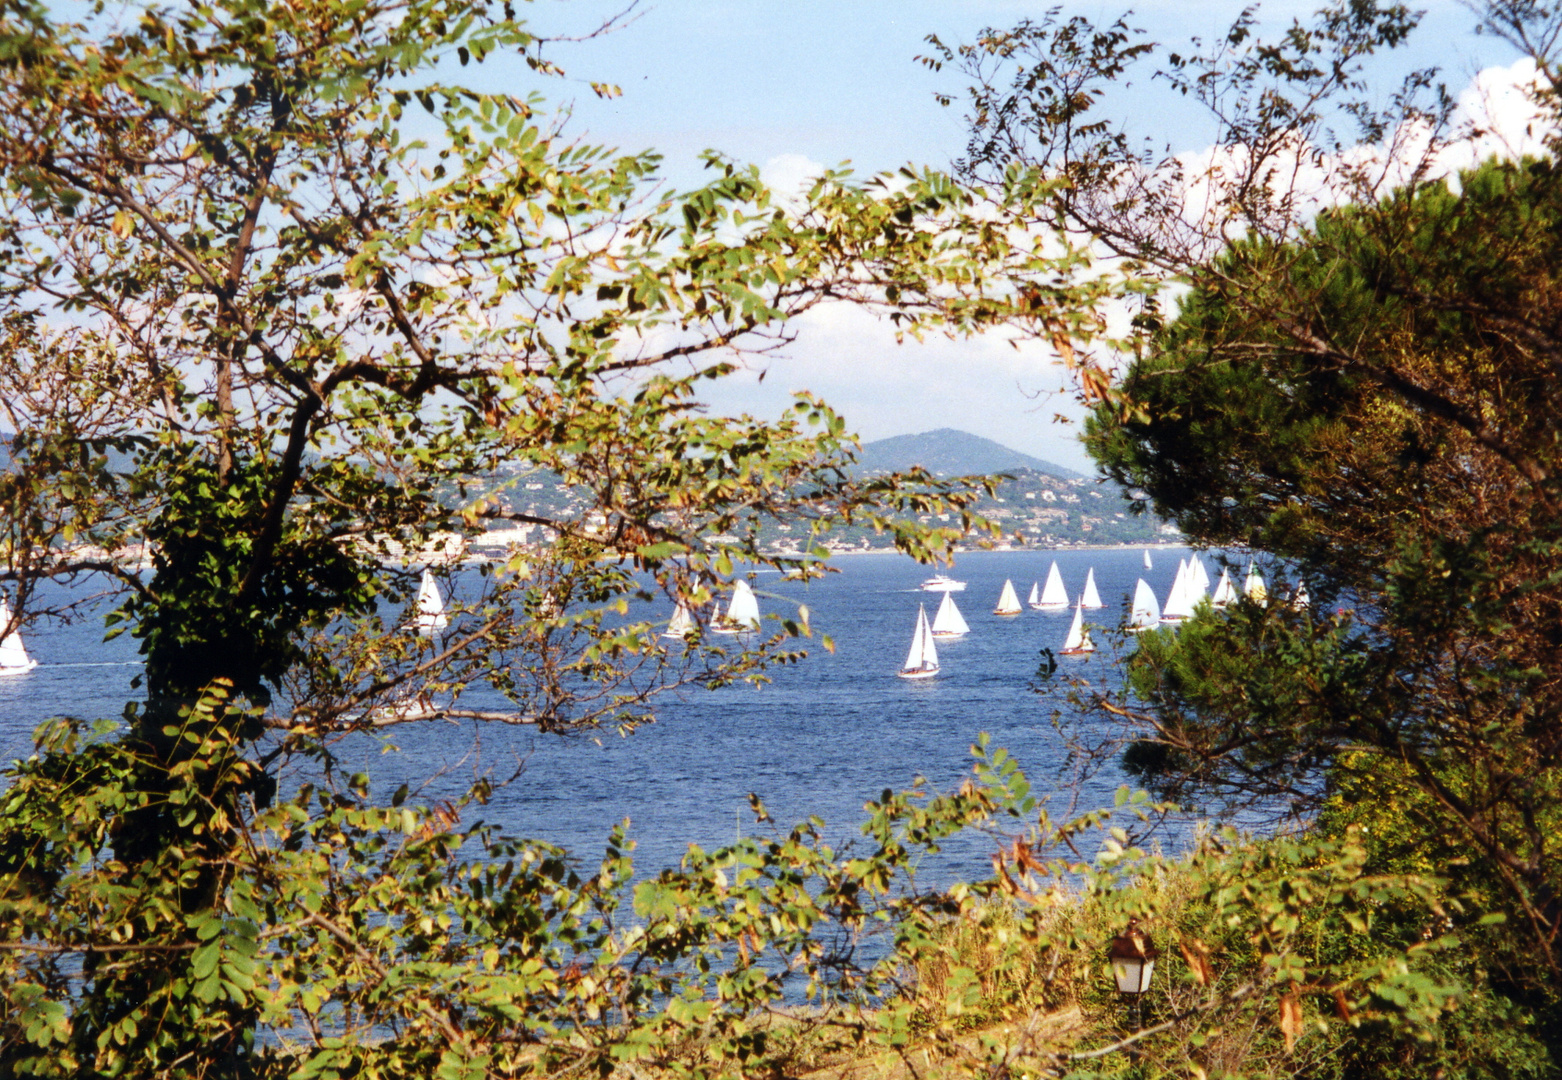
822,738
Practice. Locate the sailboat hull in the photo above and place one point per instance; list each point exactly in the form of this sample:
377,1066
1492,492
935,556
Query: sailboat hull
922,657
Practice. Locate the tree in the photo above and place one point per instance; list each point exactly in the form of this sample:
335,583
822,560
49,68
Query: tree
263,313
1427,507
1360,379
280,302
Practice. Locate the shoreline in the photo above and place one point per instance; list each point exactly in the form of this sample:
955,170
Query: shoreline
859,552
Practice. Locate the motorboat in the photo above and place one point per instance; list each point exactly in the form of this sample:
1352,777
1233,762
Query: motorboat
941,583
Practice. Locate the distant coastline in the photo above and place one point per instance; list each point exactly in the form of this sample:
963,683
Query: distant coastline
1153,545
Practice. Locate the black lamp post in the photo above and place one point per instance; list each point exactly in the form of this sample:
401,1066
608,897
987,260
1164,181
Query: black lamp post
1132,957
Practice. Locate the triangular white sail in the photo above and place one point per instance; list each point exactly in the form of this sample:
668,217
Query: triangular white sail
1078,641
1148,565
13,654
1008,600
1225,592
742,611
949,623
1054,596
682,624
1255,588
1146,610
1179,602
1034,600
1199,579
431,607
922,660
1090,598
1300,601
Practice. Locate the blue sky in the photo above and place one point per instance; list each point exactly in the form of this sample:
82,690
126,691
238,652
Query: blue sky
790,85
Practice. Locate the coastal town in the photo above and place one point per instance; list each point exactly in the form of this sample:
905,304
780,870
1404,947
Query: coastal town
1033,509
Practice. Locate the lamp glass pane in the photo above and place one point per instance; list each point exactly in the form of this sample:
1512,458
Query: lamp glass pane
1127,973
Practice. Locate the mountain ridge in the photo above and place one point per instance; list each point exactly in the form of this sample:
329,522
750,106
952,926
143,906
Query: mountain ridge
942,452
950,452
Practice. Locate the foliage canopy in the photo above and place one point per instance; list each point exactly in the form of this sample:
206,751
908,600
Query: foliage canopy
281,304
1360,380
280,300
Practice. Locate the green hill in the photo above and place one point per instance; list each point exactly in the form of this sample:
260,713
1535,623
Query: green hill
947,452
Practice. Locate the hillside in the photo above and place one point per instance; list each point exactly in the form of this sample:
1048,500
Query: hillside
1041,505
947,452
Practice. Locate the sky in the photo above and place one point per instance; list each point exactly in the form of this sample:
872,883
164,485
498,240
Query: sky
796,85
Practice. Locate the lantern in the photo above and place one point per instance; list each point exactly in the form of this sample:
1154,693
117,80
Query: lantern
1132,956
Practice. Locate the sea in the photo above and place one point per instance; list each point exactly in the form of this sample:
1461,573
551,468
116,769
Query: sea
819,740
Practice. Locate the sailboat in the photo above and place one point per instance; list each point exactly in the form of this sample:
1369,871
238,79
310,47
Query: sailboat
1034,600
431,607
1089,597
742,612
1078,641
1225,592
1054,597
1008,600
1199,579
1148,565
949,623
1179,602
922,660
1255,588
1146,610
682,624
13,654
1300,601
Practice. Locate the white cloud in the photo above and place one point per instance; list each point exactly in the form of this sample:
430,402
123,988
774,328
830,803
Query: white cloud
789,176
989,387
993,386
1501,117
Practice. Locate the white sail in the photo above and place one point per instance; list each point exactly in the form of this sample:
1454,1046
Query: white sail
1225,592
682,624
1090,598
1300,601
742,611
922,660
431,607
1078,641
1199,579
1255,588
1054,596
13,654
949,623
1146,610
1008,600
1179,602
1034,600
1148,565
